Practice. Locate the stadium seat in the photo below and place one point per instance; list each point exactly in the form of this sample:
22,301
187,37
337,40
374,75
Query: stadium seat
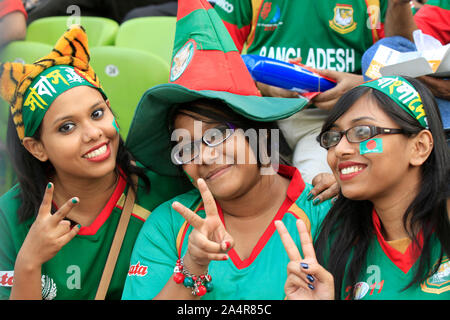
151,34
125,75
24,51
101,31
7,176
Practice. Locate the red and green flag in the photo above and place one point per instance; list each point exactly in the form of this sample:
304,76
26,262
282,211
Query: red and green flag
205,57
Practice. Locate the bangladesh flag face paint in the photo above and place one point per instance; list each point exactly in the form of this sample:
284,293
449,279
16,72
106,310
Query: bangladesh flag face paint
116,126
371,146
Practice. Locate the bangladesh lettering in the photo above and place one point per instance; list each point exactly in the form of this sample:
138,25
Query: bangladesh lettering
137,270
338,59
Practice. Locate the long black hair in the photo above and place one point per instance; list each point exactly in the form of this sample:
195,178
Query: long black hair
33,174
349,223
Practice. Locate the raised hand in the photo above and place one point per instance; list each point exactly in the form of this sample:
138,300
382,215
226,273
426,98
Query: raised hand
209,240
49,232
306,278
345,81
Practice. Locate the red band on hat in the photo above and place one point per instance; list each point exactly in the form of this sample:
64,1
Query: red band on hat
230,73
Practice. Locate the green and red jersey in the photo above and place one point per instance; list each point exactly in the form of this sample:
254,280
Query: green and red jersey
164,239
75,271
391,265
326,34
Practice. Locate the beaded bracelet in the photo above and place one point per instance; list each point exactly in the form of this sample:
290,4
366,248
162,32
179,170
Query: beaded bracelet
200,284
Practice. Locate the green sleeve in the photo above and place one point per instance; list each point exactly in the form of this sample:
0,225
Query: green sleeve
316,213
7,258
12,235
155,253
153,257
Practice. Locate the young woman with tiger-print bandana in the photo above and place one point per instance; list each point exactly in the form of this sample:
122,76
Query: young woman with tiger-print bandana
57,224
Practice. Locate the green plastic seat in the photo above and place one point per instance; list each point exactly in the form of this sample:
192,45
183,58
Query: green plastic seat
7,175
125,75
24,51
101,31
151,34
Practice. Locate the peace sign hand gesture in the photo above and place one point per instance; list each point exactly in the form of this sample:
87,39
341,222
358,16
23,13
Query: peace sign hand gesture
209,240
306,278
49,232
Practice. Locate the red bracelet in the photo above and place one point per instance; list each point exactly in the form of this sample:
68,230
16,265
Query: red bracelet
200,285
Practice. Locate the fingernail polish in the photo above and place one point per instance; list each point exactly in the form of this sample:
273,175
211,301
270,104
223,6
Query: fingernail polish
310,196
79,226
49,185
310,286
225,258
304,265
74,200
316,201
310,278
228,244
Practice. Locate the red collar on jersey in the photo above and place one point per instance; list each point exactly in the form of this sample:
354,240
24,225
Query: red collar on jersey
295,188
404,261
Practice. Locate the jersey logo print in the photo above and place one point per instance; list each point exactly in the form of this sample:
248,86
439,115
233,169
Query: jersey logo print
138,270
270,17
342,21
182,59
49,289
440,281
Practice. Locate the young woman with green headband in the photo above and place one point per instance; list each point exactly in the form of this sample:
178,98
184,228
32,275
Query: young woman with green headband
58,223
387,236
210,124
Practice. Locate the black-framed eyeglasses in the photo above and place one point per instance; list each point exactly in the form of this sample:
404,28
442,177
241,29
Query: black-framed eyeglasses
355,134
212,137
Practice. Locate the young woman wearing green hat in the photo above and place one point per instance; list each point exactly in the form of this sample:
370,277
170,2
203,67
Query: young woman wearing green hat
387,236
75,179
211,125
220,237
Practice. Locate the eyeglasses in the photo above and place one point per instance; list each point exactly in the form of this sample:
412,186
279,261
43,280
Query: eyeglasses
331,138
212,137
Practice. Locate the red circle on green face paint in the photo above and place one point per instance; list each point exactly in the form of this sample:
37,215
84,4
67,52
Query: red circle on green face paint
371,144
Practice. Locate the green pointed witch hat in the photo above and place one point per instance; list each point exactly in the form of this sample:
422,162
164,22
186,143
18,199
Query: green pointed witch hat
205,64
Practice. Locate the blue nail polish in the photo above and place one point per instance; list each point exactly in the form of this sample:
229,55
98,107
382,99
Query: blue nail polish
310,286
49,185
310,278
316,201
304,265
310,196
74,200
